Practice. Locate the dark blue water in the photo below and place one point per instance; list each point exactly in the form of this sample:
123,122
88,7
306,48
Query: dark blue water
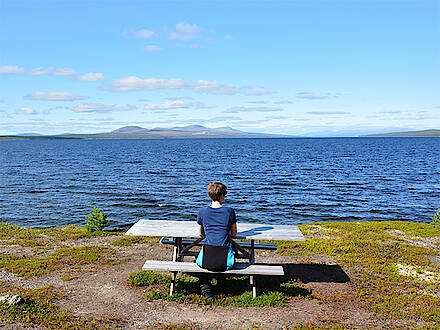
280,181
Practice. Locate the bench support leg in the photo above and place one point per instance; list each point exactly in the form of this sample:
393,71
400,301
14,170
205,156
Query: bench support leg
173,282
253,281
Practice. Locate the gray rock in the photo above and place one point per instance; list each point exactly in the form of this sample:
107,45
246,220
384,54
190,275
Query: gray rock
11,300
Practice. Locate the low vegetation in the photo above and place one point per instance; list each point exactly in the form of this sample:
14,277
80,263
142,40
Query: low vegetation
392,270
373,253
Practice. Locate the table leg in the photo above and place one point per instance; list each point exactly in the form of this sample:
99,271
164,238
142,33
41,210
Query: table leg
176,257
252,252
253,281
173,282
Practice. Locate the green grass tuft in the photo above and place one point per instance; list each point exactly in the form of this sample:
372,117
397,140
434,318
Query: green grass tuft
233,291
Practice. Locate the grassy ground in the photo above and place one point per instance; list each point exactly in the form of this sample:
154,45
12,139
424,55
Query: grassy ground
391,271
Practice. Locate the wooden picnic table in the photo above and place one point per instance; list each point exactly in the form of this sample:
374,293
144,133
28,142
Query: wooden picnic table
188,229
184,237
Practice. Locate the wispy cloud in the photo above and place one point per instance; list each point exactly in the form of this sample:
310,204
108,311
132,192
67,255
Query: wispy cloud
99,107
91,77
152,48
328,113
214,87
185,31
134,83
252,109
258,102
276,117
173,98
258,92
40,71
168,105
176,104
311,96
143,34
28,111
53,96
390,111
283,102
11,69
64,72
220,119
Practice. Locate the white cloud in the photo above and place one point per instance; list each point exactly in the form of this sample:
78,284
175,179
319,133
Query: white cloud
54,96
252,109
91,77
173,98
310,96
185,32
64,72
284,102
220,119
99,107
258,92
328,113
276,117
133,83
143,34
168,105
41,70
11,69
28,111
214,87
152,48
389,111
258,102
176,104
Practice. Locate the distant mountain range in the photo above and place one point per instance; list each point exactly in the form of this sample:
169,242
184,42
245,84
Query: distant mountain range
424,133
195,131
137,132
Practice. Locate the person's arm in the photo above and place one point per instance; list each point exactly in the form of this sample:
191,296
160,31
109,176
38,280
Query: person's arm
234,229
200,230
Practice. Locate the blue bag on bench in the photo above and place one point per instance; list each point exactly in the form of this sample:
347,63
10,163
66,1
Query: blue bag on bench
216,258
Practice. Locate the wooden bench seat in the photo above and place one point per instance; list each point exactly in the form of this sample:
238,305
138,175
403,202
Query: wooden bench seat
191,267
246,245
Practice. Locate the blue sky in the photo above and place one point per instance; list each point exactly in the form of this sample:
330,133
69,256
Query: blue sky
312,68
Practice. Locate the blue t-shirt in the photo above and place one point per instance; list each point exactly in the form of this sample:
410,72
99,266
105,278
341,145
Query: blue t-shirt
217,224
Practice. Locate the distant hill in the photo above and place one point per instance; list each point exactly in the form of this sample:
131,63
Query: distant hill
424,133
137,132
29,134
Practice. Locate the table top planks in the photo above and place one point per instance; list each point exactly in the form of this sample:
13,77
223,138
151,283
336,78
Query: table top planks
246,230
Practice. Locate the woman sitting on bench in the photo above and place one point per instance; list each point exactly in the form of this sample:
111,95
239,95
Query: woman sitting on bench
217,223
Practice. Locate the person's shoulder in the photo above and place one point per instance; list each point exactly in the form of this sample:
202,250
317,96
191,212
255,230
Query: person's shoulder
203,209
229,209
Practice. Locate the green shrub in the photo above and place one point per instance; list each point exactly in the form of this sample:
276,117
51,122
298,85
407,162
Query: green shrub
96,220
436,219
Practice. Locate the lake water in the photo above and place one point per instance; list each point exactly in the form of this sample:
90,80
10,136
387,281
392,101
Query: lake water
280,181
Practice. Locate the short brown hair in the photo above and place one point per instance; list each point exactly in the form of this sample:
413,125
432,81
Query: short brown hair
216,190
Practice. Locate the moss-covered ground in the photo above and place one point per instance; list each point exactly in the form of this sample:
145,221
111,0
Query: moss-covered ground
391,270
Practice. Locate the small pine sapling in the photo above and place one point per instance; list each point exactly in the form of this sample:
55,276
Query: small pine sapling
436,219
96,220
